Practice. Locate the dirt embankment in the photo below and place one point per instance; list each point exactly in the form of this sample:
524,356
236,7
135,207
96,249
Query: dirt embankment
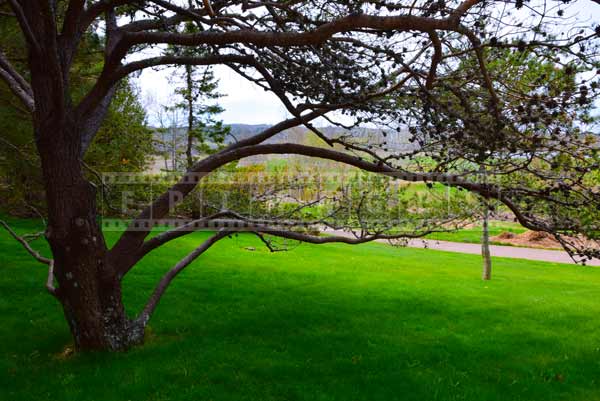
531,239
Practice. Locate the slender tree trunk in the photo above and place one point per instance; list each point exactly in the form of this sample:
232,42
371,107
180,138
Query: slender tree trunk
485,245
174,146
190,117
195,206
88,288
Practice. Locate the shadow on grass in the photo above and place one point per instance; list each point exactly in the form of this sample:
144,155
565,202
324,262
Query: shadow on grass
319,323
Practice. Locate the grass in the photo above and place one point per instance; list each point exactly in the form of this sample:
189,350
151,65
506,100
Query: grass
333,322
472,235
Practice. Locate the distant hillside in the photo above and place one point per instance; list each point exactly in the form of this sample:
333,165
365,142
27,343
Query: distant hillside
173,141
244,131
394,140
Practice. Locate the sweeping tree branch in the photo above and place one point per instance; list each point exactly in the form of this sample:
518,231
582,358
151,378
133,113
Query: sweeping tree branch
276,129
123,252
165,281
179,60
329,239
402,23
317,36
133,237
168,236
226,227
136,34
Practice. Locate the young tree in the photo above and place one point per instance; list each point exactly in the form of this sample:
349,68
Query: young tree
198,92
205,134
317,57
485,244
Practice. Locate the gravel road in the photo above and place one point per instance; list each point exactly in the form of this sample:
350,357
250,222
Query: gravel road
496,250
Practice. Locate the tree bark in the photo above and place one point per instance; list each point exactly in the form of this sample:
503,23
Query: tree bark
88,287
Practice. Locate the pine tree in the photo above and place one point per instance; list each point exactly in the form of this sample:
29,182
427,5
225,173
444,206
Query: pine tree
198,93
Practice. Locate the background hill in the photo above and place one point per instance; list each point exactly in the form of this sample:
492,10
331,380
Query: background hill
171,141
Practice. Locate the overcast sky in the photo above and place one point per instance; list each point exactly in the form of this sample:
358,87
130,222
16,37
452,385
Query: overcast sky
245,103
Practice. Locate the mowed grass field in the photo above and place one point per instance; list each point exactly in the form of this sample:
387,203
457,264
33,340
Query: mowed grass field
333,322
473,234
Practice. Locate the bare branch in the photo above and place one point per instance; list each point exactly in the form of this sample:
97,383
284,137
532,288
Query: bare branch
179,60
487,80
265,241
313,239
18,85
167,236
104,88
50,280
23,96
95,117
276,129
165,281
25,244
97,9
26,157
208,7
435,60
463,8
25,26
37,256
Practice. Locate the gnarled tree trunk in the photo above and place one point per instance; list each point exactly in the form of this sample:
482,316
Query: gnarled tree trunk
88,287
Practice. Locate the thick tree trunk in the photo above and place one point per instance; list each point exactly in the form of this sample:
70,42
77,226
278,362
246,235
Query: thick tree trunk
88,287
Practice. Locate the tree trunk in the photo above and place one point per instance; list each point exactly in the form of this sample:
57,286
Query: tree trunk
88,288
485,245
190,117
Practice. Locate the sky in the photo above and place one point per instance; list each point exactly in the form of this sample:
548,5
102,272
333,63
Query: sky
244,103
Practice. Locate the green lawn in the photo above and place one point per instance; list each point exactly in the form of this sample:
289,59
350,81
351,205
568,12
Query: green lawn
473,234
331,322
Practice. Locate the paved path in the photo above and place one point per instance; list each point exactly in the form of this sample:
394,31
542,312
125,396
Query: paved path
544,255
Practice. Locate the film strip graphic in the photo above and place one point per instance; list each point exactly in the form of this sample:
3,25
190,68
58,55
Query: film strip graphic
159,184
186,224
267,177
